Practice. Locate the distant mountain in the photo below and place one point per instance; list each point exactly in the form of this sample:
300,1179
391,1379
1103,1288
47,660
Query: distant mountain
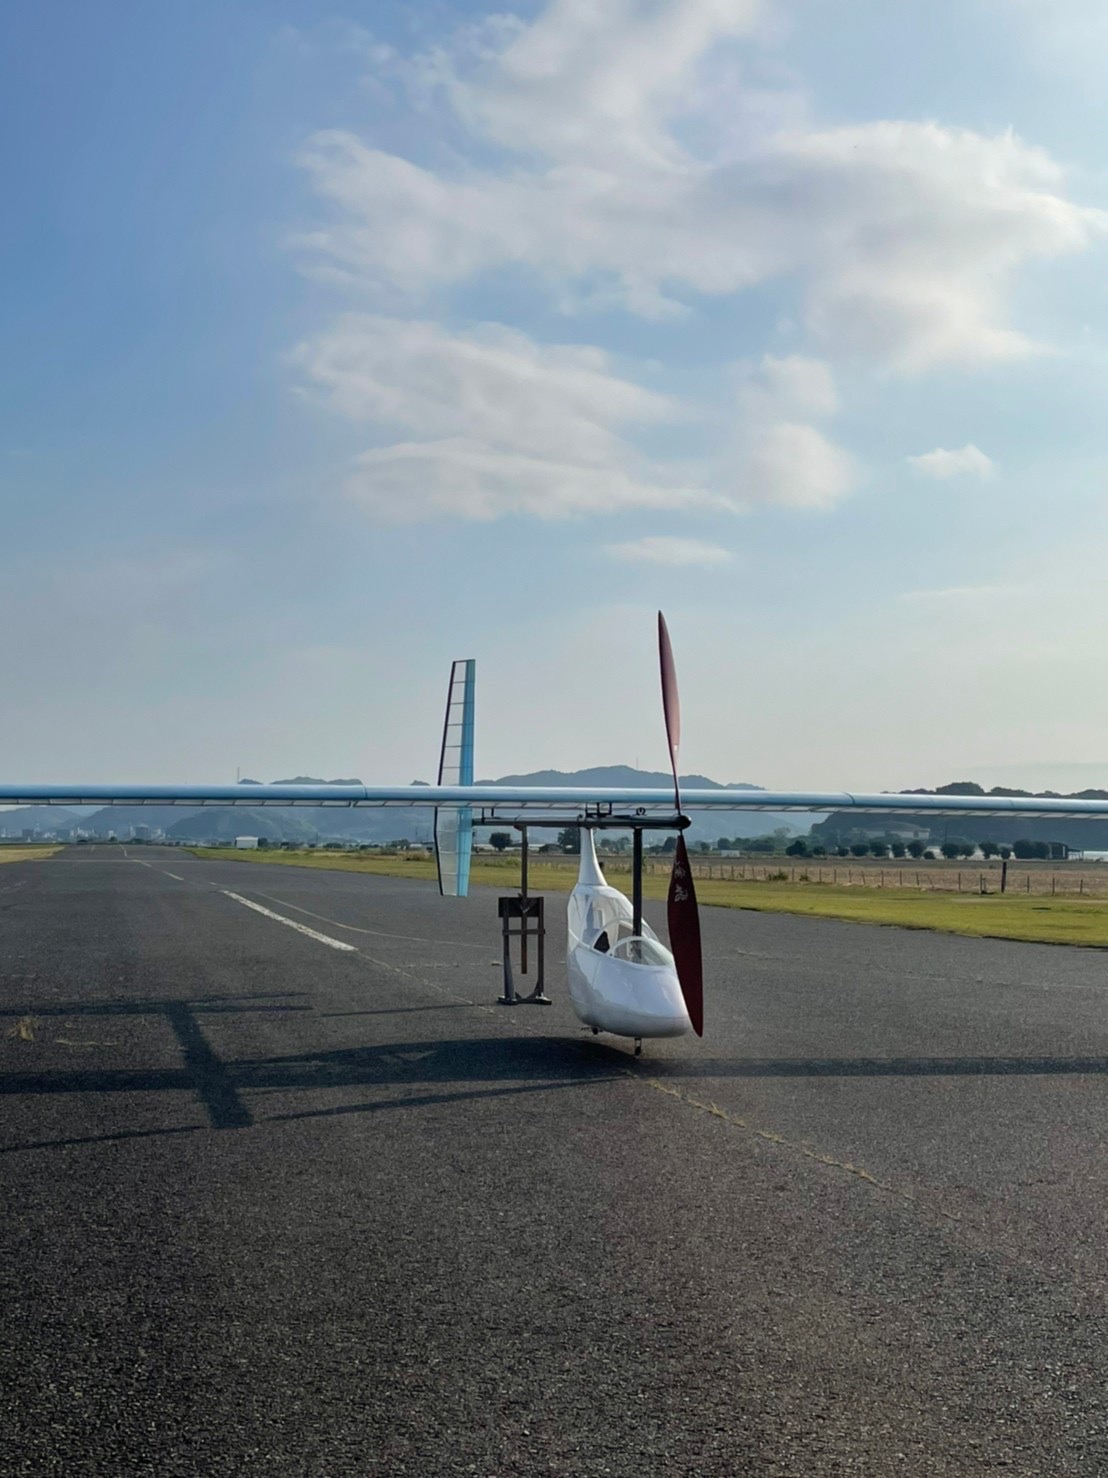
58,819
308,780
1082,834
368,824
619,776
225,823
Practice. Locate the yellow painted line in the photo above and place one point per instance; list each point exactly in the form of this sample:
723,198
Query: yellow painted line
771,1137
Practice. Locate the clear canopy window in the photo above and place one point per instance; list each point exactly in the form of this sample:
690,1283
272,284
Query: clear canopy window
603,920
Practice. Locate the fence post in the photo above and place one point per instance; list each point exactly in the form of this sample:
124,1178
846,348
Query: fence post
959,882
1004,875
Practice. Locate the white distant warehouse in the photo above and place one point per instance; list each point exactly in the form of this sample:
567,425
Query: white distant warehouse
246,844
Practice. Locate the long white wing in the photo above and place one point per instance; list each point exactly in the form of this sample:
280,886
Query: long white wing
501,805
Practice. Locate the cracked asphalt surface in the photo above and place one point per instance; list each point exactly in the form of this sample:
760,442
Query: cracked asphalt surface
271,1207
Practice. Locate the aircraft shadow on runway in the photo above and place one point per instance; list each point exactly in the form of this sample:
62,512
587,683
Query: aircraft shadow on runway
465,1068
455,1070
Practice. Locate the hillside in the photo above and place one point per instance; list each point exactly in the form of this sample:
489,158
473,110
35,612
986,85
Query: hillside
57,819
324,823
1087,835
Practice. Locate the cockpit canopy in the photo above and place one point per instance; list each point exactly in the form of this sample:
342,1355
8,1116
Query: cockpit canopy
602,919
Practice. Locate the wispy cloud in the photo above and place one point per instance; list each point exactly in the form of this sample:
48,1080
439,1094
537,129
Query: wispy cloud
780,456
496,423
942,465
904,238
660,549
620,155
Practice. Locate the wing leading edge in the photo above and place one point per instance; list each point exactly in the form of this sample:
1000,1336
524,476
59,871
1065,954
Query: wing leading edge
501,804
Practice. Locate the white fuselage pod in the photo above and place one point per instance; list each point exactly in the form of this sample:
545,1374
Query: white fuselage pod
619,981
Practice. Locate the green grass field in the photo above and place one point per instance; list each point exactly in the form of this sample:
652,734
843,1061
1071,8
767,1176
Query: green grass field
1033,918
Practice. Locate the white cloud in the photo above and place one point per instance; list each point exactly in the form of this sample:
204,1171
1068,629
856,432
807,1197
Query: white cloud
806,386
779,457
501,424
491,384
901,239
942,464
495,424
588,80
795,466
475,480
661,549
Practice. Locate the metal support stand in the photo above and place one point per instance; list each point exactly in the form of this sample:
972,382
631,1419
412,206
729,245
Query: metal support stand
636,881
532,925
529,912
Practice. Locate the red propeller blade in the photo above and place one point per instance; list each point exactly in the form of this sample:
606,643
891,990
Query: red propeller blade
684,936
671,702
683,916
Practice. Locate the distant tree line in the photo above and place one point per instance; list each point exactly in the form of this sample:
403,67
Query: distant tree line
951,849
822,845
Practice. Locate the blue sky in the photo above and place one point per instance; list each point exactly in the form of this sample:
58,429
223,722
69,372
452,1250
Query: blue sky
336,344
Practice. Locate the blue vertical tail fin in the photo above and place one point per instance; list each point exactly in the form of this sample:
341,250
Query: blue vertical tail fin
454,824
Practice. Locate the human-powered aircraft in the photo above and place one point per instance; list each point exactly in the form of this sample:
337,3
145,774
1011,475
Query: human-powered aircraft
622,978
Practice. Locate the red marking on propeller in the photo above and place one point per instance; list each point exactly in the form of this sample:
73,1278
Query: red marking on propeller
684,936
682,913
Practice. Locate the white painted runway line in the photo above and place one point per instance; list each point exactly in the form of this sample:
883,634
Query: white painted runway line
378,933
140,862
174,876
291,923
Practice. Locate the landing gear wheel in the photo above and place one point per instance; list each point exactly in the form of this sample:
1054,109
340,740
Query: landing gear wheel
638,1046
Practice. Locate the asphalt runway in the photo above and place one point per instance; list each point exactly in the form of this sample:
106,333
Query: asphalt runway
276,1206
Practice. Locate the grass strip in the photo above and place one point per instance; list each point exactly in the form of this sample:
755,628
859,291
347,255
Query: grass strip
26,854
1033,919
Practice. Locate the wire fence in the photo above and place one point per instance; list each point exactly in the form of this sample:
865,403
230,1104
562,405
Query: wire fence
1042,879
1075,878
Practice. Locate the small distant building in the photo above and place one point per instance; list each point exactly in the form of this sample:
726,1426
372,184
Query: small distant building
246,844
